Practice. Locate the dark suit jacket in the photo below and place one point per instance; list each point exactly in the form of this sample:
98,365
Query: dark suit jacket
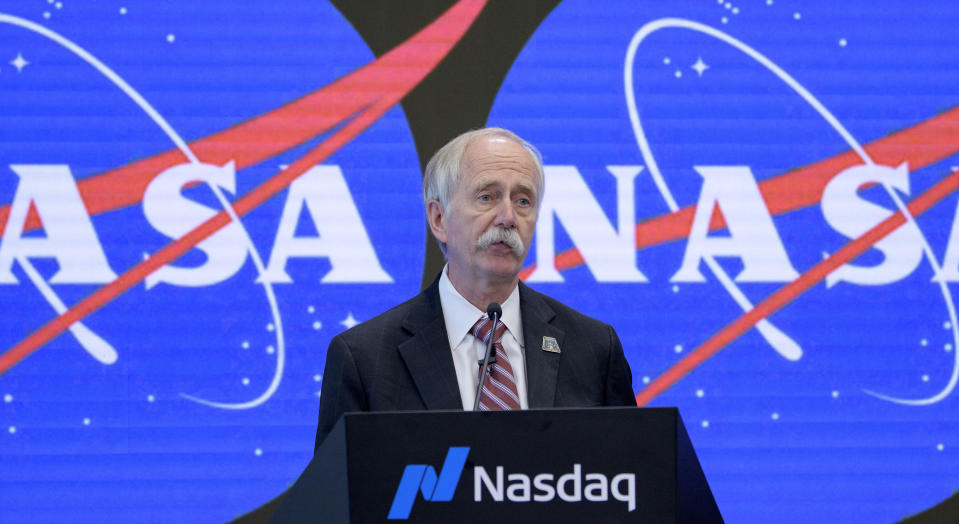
401,360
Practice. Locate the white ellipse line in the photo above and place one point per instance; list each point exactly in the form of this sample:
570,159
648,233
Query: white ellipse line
950,308
107,72
274,309
185,149
646,152
92,343
776,338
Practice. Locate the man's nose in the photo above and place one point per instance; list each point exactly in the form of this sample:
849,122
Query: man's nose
505,214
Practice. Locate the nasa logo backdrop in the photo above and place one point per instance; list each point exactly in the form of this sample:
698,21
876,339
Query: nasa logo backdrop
196,196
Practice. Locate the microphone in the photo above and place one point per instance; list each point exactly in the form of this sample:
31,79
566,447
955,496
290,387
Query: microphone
494,312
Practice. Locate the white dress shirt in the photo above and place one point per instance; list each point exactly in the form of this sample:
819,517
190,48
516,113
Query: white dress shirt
460,316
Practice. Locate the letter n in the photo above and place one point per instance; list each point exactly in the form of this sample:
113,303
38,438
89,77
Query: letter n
610,254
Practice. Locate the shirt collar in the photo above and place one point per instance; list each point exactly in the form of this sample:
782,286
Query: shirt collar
460,315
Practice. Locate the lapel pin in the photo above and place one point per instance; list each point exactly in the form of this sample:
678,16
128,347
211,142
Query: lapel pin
550,345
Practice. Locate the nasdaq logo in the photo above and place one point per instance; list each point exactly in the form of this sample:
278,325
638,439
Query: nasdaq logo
520,487
423,477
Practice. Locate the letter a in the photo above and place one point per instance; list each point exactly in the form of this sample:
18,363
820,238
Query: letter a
70,237
342,238
752,235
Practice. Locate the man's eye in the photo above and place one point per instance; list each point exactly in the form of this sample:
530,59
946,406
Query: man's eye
524,202
485,198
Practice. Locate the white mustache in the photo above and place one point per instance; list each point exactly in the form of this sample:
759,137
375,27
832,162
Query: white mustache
499,234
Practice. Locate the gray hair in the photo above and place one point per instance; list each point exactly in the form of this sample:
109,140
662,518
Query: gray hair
443,170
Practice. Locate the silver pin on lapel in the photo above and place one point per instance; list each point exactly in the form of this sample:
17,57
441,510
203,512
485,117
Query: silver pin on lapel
550,345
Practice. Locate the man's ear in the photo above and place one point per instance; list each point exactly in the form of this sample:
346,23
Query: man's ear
437,220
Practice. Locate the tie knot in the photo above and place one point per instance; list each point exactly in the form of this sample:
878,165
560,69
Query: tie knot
481,330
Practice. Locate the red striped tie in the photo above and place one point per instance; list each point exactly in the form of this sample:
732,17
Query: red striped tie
499,390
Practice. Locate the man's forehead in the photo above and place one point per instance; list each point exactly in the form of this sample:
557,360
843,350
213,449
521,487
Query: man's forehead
496,153
517,182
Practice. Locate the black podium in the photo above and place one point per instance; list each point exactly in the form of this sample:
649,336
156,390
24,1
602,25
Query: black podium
558,465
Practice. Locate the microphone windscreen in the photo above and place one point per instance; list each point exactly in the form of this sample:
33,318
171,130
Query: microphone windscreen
494,309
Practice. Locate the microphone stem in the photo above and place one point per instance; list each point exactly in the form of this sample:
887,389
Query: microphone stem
485,363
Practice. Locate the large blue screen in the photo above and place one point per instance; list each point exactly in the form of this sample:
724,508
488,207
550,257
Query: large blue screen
758,196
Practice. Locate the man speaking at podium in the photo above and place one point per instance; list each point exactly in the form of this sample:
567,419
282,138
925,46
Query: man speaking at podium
482,192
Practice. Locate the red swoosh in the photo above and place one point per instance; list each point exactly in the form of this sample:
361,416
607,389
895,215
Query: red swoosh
792,290
356,101
920,145
391,76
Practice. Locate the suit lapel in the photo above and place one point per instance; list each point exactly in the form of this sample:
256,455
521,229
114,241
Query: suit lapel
427,353
542,367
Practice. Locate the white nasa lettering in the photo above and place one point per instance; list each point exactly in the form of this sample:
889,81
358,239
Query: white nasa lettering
341,236
609,254
569,486
174,215
950,263
852,216
70,237
752,234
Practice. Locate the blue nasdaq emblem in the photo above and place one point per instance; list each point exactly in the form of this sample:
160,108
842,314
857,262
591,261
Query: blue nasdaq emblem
434,489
